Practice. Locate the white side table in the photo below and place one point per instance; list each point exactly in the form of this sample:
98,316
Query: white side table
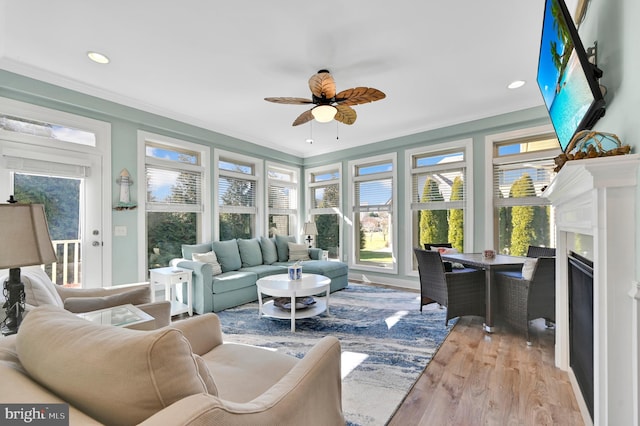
169,278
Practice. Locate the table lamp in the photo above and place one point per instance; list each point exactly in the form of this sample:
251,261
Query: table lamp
310,229
24,241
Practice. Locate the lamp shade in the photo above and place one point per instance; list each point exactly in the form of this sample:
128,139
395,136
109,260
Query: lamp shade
24,236
324,113
310,228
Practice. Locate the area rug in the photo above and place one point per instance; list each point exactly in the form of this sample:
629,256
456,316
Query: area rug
386,343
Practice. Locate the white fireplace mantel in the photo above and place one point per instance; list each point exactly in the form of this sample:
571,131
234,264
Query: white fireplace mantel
597,197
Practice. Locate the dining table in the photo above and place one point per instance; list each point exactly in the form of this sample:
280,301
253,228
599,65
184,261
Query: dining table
499,262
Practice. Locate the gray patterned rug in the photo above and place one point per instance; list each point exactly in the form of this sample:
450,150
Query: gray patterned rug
386,343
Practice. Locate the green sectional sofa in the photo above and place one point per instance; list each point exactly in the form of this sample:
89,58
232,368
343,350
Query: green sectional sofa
230,279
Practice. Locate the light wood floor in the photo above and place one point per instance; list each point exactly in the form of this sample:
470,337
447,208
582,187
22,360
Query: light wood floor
477,378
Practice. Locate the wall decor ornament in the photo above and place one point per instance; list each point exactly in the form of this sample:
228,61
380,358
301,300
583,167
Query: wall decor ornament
591,144
124,180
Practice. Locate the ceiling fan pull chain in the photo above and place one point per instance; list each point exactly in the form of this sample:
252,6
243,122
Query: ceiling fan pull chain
337,131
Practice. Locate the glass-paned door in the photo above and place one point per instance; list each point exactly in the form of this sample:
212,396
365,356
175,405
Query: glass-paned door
61,199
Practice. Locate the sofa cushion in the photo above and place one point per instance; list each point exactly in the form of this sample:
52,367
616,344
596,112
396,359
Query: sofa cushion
245,372
233,280
250,252
101,369
269,251
282,245
203,371
211,258
189,249
265,270
228,254
136,296
38,288
298,252
325,267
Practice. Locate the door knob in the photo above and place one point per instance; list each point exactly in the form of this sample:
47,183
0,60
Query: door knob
95,243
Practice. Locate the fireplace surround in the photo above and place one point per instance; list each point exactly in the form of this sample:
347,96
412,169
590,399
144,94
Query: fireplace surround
597,198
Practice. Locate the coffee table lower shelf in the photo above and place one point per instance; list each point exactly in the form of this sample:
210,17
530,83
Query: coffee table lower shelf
270,310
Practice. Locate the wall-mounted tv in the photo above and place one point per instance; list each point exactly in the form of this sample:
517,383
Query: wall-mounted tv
566,78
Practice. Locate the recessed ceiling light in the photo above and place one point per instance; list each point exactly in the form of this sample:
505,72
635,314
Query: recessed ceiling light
516,84
98,57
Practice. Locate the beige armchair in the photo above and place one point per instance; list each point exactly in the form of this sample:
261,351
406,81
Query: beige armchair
40,290
184,374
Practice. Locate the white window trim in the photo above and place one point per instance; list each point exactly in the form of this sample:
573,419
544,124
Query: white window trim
309,202
465,145
205,232
490,142
295,184
258,177
394,209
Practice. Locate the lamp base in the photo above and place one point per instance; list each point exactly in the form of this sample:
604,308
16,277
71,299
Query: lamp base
13,290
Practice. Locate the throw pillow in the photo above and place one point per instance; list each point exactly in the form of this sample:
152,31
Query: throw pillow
269,251
250,252
189,249
282,245
208,257
86,304
228,255
142,371
528,267
298,252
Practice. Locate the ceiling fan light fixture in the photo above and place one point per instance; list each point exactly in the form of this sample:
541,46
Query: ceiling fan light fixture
324,113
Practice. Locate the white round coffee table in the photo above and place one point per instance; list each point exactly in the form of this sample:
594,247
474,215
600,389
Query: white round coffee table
281,286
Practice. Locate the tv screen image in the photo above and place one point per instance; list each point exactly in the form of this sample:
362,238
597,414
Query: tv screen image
567,80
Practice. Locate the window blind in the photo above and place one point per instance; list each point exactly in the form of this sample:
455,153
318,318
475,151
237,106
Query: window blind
522,183
173,187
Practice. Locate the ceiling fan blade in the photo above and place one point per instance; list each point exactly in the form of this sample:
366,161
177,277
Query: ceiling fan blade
345,114
322,85
303,118
359,95
286,100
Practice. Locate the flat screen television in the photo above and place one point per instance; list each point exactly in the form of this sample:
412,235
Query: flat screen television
567,80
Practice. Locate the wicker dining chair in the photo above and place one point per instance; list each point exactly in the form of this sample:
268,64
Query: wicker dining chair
537,251
521,300
461,291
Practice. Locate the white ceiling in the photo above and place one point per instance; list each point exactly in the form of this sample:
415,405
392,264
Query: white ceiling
212,63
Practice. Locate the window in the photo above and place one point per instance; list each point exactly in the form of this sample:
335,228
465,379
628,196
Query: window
282,199
439,179
175,197
238,186
373,206
323,189
47,130
522,169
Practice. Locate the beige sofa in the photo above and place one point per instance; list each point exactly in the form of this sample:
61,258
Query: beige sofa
178,375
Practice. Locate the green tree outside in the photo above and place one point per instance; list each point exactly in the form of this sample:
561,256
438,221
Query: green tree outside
328,225
523,231
456,216
433,223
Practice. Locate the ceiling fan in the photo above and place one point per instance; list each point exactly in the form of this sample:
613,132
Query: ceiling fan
328,104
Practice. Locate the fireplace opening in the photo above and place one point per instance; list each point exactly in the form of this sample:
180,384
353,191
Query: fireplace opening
581,324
